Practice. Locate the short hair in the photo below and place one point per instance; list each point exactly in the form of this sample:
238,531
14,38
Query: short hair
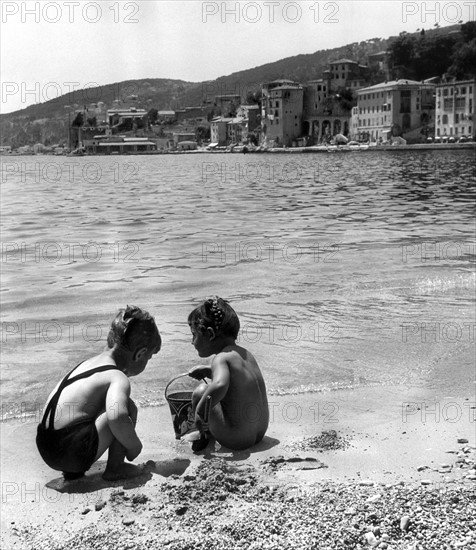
217,314
134,328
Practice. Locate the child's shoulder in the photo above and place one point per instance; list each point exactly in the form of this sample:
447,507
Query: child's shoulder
233,353
90,367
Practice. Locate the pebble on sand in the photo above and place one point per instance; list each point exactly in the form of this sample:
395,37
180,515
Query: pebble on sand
99,505
404,523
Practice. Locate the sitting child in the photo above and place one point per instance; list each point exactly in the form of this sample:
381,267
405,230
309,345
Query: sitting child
90,410
239,413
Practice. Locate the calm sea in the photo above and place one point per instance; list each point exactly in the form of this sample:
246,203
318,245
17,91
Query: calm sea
345,269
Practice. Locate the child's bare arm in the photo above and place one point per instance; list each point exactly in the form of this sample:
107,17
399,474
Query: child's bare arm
119,421
200,372
218,388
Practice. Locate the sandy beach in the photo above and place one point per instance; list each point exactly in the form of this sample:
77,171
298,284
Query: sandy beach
382,467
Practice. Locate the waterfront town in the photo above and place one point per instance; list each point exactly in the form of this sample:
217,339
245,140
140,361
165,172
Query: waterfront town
342,108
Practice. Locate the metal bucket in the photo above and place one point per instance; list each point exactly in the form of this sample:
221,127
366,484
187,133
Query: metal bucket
180,403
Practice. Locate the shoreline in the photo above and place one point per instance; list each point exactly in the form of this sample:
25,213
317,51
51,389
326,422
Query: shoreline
276,150
362,449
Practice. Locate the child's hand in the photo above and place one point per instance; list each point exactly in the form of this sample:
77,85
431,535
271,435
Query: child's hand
200,424
199,372
134,452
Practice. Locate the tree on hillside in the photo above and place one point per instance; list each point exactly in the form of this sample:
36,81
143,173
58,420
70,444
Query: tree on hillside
252,98
423,57
464,61
78,120
153,115
468,31
400,56
433,56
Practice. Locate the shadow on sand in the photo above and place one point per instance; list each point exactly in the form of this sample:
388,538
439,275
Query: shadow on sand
229,454
94,481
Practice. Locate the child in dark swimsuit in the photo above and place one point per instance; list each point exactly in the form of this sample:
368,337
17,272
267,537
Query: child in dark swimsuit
90,410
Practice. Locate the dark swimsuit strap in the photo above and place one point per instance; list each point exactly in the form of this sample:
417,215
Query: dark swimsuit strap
51,407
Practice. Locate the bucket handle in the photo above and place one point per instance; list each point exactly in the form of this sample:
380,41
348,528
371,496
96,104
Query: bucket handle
176,378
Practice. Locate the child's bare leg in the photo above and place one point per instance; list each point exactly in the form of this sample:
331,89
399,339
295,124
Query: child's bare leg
116,468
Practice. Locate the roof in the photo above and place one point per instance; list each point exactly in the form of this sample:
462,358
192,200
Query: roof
393,84
116,143
135,112
286,88
343,61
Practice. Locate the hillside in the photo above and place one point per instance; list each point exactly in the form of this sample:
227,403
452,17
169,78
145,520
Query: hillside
48,122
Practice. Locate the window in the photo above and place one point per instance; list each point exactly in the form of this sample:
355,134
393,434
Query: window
405,101
456,118
445,119
463,91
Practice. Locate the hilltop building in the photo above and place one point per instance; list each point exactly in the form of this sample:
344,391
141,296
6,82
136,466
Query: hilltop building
191,114
282,112
227,103
121,120
166,116
380,60
396,108
454,108
345,73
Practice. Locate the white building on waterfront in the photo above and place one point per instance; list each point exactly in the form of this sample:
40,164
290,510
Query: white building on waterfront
394,108
455,108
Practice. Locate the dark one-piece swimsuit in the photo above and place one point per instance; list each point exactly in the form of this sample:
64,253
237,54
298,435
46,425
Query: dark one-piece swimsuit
73,449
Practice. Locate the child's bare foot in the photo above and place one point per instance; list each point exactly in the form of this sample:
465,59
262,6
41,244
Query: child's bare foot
201,443
124,471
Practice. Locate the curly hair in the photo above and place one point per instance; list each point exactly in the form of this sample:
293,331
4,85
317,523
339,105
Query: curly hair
134,328
217,314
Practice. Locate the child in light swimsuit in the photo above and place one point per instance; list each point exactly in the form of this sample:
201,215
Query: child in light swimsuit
91,411
239,414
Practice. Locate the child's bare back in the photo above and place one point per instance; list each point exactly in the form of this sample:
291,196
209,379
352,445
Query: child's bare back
239,413
241,418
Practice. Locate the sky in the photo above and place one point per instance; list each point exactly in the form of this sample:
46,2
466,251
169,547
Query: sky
49,48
